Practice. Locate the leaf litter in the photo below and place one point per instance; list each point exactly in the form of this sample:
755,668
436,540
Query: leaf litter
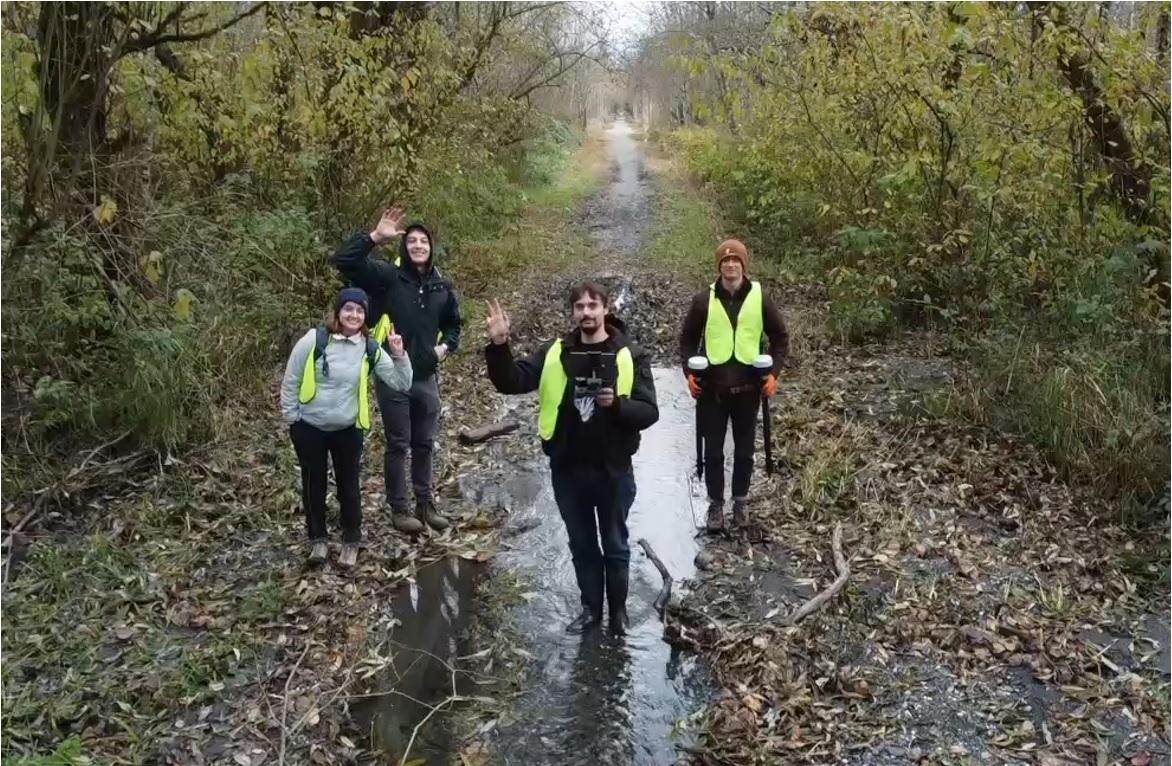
982,622
984,598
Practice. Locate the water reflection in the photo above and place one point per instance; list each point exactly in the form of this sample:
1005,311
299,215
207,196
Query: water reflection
432,613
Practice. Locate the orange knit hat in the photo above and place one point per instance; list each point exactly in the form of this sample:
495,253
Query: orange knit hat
733,248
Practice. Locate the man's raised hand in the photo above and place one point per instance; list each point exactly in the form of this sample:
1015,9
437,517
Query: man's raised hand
497,323
389,226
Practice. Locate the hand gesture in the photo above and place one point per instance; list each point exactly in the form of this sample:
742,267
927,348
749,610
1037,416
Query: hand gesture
395,344
605,397
389,226
498,323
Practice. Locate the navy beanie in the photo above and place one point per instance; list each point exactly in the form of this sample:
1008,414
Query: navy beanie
351,295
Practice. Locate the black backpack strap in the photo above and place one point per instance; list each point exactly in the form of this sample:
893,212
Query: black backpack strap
372,351
319,349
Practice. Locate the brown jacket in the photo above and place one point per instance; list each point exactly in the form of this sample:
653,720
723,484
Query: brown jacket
732,373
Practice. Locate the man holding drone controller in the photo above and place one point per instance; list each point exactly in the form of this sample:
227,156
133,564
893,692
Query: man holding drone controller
595,395
721,351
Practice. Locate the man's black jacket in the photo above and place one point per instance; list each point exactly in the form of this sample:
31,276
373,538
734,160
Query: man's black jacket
611,436
423,306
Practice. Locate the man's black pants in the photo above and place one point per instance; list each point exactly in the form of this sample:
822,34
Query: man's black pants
594,505
315,449
716,410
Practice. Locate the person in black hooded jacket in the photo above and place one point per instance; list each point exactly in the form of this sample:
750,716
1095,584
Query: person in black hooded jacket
409,297
596,394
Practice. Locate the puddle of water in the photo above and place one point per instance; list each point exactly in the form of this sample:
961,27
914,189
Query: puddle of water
598,699
593,699
432,613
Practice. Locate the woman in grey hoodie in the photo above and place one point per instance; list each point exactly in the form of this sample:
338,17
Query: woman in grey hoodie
325,400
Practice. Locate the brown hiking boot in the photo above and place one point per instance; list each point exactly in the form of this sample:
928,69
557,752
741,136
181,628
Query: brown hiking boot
405,522
715,521
349,555
740,513
319,551
426,511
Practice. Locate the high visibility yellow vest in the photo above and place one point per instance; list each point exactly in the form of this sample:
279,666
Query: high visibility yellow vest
720,342
552,387
385,327
308,388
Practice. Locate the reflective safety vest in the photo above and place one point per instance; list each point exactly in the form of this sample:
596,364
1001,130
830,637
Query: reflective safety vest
552,387
720,341
308,388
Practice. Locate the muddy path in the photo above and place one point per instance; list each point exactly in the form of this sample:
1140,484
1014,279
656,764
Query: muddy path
593,699
989,616
599,699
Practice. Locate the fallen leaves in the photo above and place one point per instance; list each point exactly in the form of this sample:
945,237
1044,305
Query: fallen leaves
974,572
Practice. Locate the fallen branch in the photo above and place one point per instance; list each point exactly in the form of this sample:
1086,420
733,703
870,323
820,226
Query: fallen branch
821,599
664,592
488,431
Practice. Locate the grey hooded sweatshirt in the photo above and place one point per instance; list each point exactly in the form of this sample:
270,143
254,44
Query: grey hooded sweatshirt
335,405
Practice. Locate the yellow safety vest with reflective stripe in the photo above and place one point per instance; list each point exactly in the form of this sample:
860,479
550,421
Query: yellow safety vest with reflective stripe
552,387
721,343
385,327
308,388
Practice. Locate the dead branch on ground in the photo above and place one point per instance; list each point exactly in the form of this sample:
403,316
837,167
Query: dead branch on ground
821,599
488,431
664,592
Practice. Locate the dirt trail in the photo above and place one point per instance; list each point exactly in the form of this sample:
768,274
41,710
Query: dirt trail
986,619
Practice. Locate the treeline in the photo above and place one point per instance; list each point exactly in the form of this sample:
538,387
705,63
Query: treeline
1000,169
176,174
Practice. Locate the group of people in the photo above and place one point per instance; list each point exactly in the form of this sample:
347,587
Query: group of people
399,319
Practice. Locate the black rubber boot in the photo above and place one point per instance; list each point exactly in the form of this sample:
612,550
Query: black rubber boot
587,620
618,582
591,584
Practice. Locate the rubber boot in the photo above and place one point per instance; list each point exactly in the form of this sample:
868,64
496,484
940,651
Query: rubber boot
618,581
591,583
425,511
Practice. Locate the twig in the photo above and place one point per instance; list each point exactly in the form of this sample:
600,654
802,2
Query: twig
664,592
820,600
285,706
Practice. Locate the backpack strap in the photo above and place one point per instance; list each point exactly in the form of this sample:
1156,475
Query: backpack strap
372,351
319,349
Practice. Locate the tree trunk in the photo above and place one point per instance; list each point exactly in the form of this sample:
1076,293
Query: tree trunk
74,41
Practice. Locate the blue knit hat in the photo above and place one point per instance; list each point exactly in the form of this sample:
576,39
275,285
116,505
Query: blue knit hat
352,295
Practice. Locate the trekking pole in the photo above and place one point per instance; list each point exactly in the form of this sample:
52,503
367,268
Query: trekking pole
763,364
698,365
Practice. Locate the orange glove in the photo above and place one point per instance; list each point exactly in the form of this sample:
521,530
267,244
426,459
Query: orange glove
693,387
769,387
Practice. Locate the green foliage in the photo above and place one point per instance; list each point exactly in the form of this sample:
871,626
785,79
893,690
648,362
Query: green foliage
940,166
686,228
68,753
172,299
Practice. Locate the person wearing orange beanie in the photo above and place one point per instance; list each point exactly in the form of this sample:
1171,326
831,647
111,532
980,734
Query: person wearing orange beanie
731,323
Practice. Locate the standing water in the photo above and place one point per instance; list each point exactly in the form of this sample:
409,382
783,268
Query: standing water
593,699
598,699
